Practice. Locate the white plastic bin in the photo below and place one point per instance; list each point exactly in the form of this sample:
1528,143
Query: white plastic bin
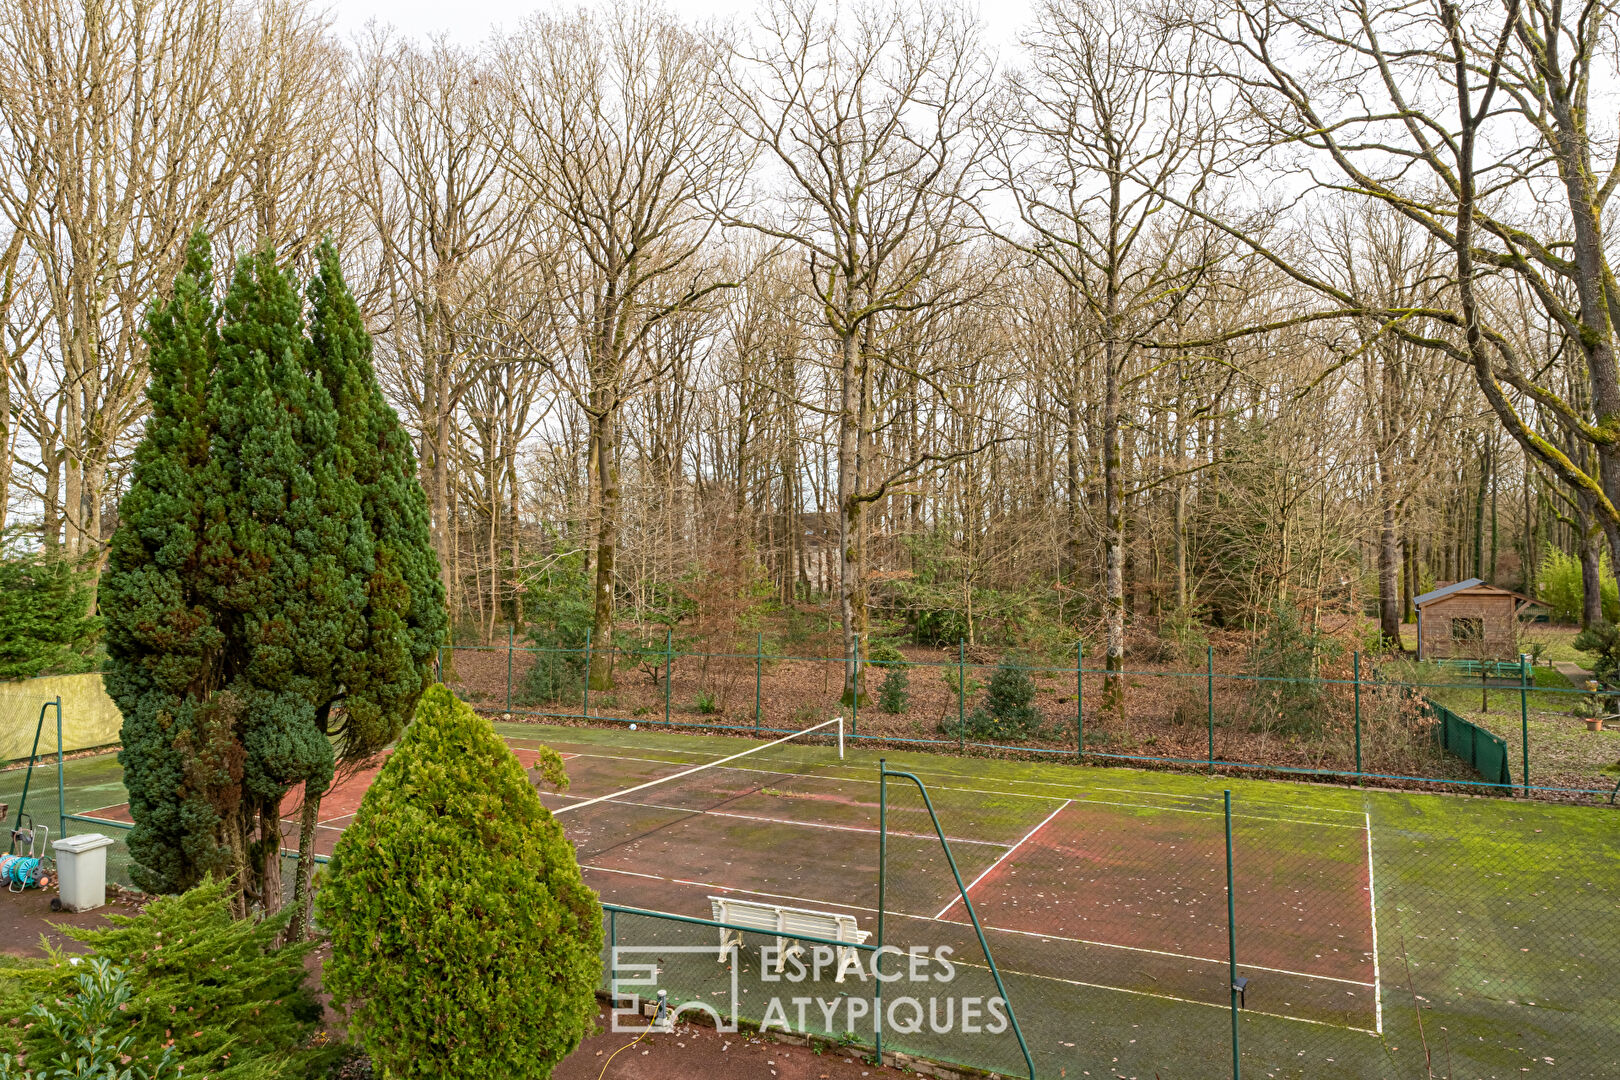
81,868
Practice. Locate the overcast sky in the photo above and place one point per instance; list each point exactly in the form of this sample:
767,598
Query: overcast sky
468,22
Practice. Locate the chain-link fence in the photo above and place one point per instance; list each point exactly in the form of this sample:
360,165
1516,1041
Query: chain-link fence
1388,725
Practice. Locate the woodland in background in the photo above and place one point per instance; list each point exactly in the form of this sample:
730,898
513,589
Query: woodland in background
841,316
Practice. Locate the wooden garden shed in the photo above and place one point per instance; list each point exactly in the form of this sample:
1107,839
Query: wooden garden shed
1469,620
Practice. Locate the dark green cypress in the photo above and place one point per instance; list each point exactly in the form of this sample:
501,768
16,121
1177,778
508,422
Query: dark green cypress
182,763
273,598
280,518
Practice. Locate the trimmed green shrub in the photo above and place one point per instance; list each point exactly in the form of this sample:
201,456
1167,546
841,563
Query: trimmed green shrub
213,989
464,942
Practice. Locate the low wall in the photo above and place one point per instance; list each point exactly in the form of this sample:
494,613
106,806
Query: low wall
89,717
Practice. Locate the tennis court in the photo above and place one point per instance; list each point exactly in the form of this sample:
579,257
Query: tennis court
1123,890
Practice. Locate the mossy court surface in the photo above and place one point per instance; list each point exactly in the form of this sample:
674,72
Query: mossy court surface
1495,924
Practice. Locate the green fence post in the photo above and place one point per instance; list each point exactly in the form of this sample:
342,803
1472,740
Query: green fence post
1079,695
961,694
1231,940
510,632
1524,719
1355,658
588,672
667,635
759,647
1209,695
883,860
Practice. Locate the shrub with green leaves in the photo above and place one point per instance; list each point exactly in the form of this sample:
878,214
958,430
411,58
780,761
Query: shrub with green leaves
1601,641
215,990
1561,587
81,1029
464,941
1008,711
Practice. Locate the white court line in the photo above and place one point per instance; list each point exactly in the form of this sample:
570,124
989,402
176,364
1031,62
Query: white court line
698,767
1002,859
1005,794
791,821
1169,997
1372,911
998,929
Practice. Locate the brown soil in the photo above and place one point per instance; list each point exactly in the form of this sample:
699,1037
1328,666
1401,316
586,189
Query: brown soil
26,916
692,1051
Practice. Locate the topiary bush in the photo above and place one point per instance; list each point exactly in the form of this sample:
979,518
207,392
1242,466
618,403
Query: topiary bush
464,942
212,990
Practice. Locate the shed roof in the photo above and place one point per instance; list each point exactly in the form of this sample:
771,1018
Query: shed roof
1447,590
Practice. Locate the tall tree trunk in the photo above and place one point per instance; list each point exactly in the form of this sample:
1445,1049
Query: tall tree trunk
301,927
607,542
851,593
1114,540
1389,599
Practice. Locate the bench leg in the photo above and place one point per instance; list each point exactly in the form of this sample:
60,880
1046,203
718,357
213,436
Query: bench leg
848,960
725,942
784,950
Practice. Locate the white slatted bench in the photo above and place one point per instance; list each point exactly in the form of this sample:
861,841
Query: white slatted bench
777,919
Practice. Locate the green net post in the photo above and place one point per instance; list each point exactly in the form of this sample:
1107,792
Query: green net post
1209,698
961,696
759,647
588,672
1231,940
668,633
883,862
1524,719
1355,659
511,632
1079,694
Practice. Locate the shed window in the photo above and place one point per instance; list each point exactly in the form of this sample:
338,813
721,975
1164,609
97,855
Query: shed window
1468,630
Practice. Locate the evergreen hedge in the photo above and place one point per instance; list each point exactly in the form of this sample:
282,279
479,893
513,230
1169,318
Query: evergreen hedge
464,941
